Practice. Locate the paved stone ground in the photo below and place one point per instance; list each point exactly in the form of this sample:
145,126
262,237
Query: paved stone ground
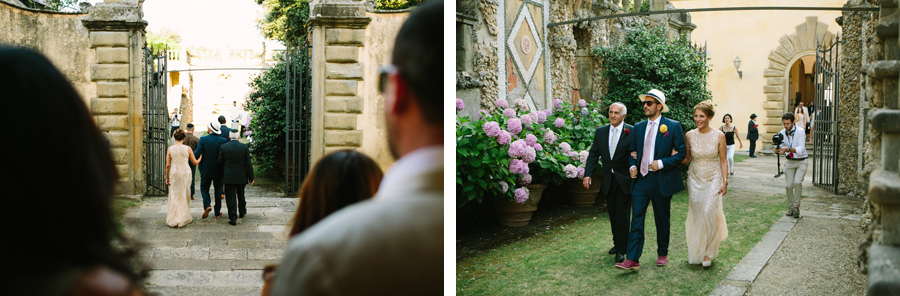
813,255
208,256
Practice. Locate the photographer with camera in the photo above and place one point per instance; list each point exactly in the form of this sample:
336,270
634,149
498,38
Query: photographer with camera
794,146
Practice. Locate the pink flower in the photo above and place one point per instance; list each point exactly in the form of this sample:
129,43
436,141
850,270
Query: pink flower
580,172
565,147
627,131
530,140
503,186
525,179
548,112
504,137
514,125
459,104
584,111
509,112
538,147
557,104
582,103
541,117
526,120
549,137
573,155
517,166
529,155
521,105
559,122
571,171
491,129
482,114
517,148
501,103
521,194
583,155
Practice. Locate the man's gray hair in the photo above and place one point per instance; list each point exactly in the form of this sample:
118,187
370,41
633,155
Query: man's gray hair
624,109
234,135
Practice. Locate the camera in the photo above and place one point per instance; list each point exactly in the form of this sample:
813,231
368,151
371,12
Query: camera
777,139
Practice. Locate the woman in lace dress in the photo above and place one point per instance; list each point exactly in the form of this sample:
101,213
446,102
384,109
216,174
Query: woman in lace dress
707,184
178,177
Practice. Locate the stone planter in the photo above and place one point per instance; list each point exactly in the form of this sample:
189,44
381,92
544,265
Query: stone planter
581,197
510,213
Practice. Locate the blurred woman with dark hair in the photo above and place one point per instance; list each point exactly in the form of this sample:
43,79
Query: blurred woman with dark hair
339,179
178,177
62,239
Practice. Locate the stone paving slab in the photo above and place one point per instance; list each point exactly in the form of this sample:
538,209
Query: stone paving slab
208,256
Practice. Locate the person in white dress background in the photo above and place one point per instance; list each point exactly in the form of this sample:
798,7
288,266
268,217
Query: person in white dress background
178,178
705,227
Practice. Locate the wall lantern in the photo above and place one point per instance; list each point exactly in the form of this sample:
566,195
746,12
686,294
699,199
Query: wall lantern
737,66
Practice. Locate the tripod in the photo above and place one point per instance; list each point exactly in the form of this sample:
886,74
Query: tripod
778,160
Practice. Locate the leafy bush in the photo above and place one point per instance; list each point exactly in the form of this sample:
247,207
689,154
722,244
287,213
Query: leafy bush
395,4
285,20
649,60
267,104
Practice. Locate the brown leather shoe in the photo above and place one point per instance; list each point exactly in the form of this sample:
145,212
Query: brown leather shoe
206,212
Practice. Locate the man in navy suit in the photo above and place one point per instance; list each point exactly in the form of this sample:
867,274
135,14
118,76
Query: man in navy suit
610,145
224,131
656,177
210,170
234,157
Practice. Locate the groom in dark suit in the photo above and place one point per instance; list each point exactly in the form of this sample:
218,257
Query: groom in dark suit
655,170
210,170
610,145
234,157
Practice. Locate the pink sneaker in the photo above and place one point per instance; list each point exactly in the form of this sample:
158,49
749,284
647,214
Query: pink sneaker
662,260
629,265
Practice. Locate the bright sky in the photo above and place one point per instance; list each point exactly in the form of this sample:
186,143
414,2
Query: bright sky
209,22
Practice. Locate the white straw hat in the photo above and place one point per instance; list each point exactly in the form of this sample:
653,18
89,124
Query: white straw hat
659,96
214,127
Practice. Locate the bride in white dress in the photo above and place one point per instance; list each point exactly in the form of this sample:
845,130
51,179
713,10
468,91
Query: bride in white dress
178,177
707,182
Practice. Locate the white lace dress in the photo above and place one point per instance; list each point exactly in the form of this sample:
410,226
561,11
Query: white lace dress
179,213
705,227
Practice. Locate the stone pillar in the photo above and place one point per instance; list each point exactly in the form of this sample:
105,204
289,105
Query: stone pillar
884,182
116,41
337,36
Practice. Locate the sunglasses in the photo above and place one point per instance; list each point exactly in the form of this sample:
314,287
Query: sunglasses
383,73
649,103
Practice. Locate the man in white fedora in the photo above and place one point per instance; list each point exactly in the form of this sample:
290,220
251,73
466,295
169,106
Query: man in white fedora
655,174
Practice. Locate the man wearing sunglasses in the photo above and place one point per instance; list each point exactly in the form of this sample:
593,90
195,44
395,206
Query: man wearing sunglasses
655,174
391,244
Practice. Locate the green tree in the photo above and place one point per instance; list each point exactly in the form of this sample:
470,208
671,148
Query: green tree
163,38
285,21
267,103
395,4
649,60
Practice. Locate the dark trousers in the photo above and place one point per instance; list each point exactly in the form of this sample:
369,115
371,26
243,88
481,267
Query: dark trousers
193,169
204,191
233,191
173,130
618,204
242,131
752,147
646,191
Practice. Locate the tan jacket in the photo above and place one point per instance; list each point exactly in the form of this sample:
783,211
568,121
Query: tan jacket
389,245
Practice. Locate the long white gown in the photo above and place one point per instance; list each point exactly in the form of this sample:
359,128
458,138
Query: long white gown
705,227
179,212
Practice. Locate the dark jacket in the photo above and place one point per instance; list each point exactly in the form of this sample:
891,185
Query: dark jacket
209,146
669,177
225,131
191,140
234,157
615,167
752,131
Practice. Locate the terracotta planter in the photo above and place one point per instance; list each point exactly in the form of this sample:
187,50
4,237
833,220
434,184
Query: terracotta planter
581,197
510,213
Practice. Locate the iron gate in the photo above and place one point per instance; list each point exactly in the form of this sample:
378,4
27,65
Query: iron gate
826,121
156,122
298,110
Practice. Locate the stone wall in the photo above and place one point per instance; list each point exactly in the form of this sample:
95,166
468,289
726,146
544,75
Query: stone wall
59,36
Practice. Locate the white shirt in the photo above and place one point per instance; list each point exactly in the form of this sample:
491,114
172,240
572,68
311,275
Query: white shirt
614,133
798,142
652,143
235,114
176,119
412,164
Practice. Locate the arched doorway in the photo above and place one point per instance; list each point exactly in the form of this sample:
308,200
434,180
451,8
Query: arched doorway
790,71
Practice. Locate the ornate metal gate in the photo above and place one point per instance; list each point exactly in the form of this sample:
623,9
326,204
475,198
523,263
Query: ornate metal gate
298,110
825,118
156,122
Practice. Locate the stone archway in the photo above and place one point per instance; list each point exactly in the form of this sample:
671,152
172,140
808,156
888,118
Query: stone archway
791,47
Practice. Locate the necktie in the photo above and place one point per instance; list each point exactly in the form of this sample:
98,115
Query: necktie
647,157
613,142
